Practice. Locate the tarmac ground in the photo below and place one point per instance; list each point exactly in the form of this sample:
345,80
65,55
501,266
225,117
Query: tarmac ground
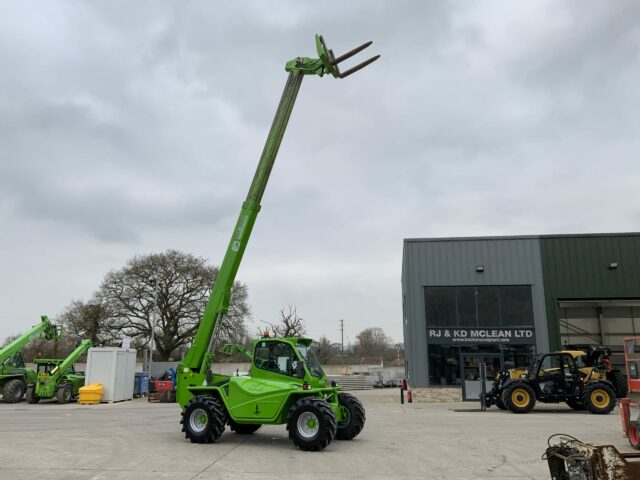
141,440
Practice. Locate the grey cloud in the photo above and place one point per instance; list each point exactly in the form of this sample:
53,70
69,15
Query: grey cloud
140,125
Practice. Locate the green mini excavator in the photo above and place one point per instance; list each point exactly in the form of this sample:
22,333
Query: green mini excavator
286,384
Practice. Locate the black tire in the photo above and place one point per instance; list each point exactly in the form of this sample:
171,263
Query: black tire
599,398
31,395
203,419
354,423
13,391
64,394
311,424
575,404
243,428
519,398
500,404
619,382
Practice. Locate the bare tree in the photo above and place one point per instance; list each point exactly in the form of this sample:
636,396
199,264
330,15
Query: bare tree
167,292
371,342
290,324
89,320
324,350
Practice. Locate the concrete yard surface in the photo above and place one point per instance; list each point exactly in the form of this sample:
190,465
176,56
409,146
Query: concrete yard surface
141,440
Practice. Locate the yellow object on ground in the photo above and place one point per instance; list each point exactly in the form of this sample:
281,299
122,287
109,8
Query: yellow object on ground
91,394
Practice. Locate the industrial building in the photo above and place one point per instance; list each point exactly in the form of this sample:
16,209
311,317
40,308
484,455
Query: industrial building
501,300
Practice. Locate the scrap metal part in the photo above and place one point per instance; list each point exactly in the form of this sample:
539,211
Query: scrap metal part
571,459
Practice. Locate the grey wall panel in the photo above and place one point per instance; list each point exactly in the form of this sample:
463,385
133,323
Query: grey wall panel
450,262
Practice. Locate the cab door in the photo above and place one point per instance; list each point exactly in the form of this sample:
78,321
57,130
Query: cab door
550,376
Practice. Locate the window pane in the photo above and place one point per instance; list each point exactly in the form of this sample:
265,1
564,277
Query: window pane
440,303
488,307
467,306
277,357
444,365
516,304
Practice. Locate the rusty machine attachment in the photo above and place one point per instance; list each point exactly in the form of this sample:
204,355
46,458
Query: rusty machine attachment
571,459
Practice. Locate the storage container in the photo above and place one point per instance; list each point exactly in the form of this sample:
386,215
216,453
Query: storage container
115,369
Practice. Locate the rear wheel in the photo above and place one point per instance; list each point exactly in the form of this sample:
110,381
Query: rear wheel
64,394
353,422
634,435
575,404
599,398
311,424
243,428
203,419
619,382
31,395
13,391
519,398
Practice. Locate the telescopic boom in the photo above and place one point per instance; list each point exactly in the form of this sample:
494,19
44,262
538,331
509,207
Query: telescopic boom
197,360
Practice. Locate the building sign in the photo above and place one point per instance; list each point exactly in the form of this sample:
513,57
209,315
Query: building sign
460,336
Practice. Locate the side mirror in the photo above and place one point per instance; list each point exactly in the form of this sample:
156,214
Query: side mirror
300,369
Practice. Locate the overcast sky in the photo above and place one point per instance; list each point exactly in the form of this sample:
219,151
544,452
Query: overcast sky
134,127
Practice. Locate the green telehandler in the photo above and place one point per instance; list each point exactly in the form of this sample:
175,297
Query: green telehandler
57,378
14,375
286,384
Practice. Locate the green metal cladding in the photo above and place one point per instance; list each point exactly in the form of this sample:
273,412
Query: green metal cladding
578,267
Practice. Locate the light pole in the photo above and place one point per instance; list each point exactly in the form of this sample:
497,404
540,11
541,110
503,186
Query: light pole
153,324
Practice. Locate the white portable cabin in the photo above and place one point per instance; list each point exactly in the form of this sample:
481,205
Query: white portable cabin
115,369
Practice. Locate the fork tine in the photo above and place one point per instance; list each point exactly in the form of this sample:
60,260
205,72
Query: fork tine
359,67
351,53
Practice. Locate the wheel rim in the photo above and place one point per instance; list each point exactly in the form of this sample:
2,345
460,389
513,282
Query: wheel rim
600,398
198,420
308,424
346,416
520,397
633,435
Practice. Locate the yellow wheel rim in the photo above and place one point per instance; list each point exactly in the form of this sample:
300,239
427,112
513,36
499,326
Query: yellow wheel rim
600,398
520,397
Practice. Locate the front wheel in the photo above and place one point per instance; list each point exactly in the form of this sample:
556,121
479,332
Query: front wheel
311,424
203,419
599,398
520,398
13,391
353,422
31,395
64,394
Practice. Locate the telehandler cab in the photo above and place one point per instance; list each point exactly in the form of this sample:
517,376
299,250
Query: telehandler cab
286,384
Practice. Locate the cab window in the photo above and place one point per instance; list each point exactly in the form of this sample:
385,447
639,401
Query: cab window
277,357
16,361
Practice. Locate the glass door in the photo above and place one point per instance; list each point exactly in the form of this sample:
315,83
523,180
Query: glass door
470,373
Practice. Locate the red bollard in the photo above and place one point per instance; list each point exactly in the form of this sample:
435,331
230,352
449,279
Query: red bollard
404,384
409,395
625,414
